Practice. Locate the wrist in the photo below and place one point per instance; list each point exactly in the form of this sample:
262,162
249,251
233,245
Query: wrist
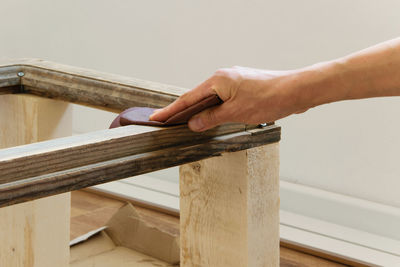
318,84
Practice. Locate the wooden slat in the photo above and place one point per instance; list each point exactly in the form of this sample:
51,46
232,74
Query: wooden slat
75,151
139,163
84,90
89,87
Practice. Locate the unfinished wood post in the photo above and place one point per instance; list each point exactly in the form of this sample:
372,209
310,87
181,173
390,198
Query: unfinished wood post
229,210
35,233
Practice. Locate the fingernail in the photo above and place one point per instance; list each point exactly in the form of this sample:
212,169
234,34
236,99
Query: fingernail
196,124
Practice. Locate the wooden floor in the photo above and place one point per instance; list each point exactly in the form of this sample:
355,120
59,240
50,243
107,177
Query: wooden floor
90,211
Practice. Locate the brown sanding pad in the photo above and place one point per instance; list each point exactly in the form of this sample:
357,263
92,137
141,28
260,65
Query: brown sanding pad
140,115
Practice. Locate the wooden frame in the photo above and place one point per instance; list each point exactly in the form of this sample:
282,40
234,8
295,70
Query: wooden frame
71,163
61,165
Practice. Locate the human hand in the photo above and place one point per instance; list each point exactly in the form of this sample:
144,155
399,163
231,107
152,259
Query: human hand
250,96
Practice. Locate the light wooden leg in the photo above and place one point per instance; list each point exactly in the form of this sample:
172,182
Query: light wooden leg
229,210
35,233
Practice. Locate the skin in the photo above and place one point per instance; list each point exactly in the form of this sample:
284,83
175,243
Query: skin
254,96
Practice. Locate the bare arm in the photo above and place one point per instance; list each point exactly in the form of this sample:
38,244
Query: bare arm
256,96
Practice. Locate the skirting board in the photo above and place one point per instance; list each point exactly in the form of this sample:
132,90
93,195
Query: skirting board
338,241
147,190
341,226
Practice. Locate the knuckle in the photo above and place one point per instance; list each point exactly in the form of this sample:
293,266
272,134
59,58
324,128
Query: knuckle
222,72
228,74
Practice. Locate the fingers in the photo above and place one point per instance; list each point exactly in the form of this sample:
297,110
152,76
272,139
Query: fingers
188,99
209,118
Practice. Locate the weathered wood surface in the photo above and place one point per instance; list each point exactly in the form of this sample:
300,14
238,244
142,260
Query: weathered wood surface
35,233
9,80
9,76
32,187
76,151
229,210
88,87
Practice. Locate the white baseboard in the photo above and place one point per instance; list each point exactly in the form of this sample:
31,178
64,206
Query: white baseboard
342,226
343,210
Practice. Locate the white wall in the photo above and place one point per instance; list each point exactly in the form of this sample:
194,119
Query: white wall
350,148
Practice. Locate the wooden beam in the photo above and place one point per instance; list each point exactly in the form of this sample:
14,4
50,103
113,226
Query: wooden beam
229,210
35,233
31,187
77,85
76,151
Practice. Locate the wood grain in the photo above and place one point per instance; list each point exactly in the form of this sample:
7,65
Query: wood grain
84,86
124,167
57,166
36,233
60,154
9,76
229,209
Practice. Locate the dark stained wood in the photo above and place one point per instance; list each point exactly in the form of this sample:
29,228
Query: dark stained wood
119,168
88,87
71,152
86,90
10,90
84,86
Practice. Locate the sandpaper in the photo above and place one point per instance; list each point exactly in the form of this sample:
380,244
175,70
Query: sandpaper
141,115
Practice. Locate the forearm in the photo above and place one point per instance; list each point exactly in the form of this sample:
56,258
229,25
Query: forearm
372,72
255,96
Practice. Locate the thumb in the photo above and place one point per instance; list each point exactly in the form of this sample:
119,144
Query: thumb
208,118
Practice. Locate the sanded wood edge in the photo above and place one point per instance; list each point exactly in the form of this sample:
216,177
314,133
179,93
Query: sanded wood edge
90,87
97,75
124,167
70,152
9,80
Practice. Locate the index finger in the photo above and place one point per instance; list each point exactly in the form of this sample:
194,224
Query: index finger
184,101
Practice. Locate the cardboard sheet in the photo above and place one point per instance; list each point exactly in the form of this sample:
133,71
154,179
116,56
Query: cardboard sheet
126,241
